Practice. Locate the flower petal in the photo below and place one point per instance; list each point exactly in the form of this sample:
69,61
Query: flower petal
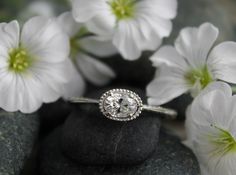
76,85
98,46
169,56
18,94
8,88
44,39
190,128
226,165
151,44
26,92
167,86
94,70
223,63
128,39
231,117
151,37
212,105
9,39
160,26
204,170
51,79
214,151
102,24
84,10
164,8
68,24
30,100
195,43
218,166
9,36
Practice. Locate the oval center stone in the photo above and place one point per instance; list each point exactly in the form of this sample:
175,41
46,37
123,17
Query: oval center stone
120,104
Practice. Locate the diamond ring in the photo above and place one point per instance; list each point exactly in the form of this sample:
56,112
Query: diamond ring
123,105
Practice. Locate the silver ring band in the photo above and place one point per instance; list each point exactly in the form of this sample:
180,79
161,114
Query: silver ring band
123,105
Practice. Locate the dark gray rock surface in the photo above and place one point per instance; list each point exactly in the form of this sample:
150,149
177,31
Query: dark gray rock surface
18,133
90,138
170,158
134,73
53,115
180,104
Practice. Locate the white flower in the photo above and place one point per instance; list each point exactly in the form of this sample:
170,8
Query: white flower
211,129
33,64
84,48
133,25
192,64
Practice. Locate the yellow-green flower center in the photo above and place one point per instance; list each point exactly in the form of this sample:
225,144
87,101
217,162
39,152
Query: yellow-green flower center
224,142
202,76
19,60
75,47
75,42
123,9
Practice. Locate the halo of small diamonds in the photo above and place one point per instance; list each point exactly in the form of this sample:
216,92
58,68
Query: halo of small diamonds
120,105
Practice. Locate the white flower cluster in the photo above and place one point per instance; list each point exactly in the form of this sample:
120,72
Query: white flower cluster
49,57
211,129
194,65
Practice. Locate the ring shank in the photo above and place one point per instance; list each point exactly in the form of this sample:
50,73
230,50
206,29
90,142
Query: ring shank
170,113
83,100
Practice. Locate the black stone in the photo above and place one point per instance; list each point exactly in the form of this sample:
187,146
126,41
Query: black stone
52,115
180,104
170,157
134,73
90,138
18,133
